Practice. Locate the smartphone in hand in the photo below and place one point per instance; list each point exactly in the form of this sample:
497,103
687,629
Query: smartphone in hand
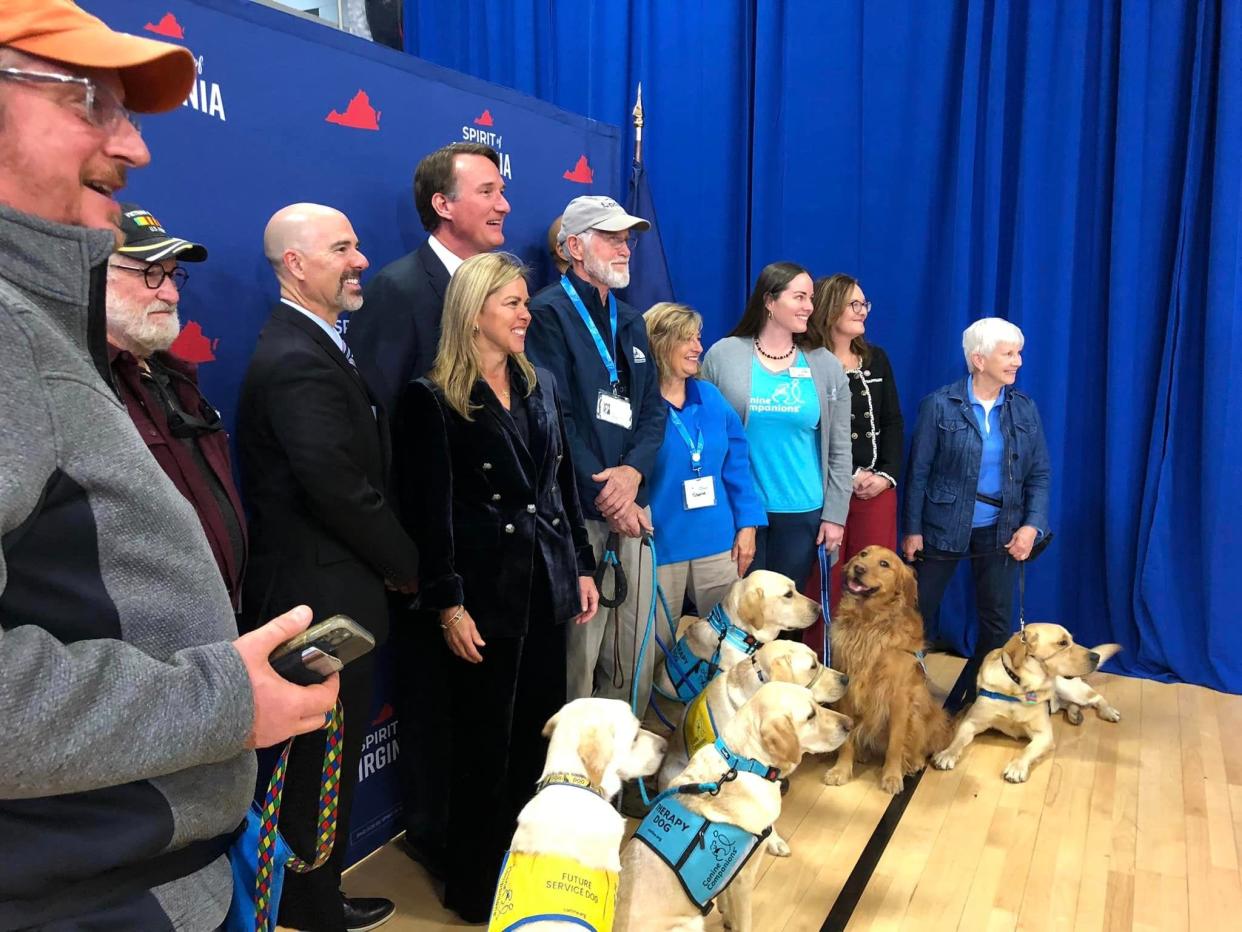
321,650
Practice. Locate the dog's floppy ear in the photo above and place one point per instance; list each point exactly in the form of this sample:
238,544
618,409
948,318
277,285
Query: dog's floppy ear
551,724
595,749
780,739
1015,652
908,585
751,608
781,670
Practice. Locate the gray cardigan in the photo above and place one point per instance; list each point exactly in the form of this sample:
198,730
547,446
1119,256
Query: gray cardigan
727,366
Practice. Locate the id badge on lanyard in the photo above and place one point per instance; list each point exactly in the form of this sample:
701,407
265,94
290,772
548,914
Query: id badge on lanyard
699,492
610,407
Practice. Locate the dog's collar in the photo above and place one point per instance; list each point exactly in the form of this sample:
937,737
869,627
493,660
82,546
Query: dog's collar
728,631
570,779
1027,699
1012,675
746,764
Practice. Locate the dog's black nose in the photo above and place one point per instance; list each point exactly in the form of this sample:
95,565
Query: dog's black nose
1093,657
845,680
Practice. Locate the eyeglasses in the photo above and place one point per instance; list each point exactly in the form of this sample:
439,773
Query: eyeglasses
617,240
104,109
859,307
154,275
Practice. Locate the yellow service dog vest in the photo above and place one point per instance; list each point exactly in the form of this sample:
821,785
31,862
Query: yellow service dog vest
541,887
699,728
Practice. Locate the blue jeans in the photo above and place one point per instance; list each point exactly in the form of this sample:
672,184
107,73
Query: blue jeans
994,577
787,544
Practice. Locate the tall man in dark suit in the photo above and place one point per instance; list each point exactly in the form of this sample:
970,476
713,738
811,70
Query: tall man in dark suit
460,197
315,453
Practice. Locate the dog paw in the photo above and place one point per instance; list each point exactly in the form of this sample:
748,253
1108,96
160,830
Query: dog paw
1108,713
1017,772
943,760
892,783
777,846
837,777
1073,714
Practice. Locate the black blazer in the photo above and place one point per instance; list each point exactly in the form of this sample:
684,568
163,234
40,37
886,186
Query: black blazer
395,334
481,502
314,467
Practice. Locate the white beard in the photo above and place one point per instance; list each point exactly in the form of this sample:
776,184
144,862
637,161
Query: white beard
149,333
605,274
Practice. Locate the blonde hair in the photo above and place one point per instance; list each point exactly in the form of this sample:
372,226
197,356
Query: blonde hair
668,324
457,367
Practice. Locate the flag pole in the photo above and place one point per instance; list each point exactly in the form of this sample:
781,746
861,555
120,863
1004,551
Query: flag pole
637,113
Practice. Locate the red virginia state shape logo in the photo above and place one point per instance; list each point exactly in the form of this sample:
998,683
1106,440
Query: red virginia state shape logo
192,345
582,173
484,119
384,715
358,115
167,27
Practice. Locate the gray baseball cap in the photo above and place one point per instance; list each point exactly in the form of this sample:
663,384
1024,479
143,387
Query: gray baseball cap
595,212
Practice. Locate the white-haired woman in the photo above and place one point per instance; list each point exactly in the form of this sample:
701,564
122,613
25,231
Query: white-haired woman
978,482
490,497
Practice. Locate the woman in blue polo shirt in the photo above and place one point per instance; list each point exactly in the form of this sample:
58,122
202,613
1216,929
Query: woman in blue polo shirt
978,482
703,500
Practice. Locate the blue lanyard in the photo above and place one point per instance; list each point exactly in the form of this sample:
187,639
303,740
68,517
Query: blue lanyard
604,353
696,447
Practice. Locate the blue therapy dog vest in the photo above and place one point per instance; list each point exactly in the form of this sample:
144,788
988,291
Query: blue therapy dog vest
690,673
704,855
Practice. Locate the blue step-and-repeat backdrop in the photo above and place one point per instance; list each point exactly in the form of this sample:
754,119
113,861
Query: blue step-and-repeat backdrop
288,110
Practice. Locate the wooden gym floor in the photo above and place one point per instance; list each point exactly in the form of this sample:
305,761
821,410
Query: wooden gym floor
1136,825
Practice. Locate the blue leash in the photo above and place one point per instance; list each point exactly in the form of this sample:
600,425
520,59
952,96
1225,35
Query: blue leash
825,570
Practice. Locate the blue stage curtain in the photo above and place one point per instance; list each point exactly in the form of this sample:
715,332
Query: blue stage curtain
1073,167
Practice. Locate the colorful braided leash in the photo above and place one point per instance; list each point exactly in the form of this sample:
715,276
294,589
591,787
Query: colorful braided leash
328,792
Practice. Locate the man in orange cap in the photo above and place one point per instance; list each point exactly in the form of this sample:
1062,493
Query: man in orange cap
129,703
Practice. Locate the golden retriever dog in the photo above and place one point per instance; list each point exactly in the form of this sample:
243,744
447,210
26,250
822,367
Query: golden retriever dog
780,723
594,745
1035,670
876,633
762,604
778,661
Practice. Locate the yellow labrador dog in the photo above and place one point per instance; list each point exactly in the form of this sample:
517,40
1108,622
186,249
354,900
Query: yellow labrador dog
564,857
762,605
714,708
779,724
1021,684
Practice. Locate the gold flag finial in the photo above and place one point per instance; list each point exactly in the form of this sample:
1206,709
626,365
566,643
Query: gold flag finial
638,125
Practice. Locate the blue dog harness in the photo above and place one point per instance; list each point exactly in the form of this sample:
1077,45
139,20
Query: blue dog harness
690,673
705,855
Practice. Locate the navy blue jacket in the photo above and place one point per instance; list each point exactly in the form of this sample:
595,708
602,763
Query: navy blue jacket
943,474
558,341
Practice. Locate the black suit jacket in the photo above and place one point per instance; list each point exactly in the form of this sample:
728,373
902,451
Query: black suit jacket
314,468
482,504
395,335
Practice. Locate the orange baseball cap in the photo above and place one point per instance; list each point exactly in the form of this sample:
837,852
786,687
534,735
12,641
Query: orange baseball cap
157,76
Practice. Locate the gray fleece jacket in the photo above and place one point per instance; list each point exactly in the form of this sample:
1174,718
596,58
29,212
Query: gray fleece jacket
124,707
727,366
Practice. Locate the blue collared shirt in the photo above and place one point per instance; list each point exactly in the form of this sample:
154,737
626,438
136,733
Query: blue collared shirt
990,479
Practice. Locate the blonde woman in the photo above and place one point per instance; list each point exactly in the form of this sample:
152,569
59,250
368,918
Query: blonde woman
490,497
703,498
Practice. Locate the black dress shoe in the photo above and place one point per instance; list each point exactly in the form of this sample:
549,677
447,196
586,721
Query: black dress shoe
366,912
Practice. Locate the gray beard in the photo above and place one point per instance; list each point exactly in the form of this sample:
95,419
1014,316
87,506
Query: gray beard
153,335
604,274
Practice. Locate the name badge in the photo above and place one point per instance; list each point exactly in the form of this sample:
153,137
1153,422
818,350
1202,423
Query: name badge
799,372
613,409
699,493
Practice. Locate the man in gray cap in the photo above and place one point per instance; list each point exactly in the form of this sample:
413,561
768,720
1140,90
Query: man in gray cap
596,346
179,426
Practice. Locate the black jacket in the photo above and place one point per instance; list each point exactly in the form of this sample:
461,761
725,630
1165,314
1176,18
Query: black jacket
314,468
883,419
395,334
481,502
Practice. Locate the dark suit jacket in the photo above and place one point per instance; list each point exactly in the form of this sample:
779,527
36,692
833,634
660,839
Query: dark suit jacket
395,334
481,504
314,468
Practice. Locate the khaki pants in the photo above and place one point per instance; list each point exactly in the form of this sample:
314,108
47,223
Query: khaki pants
706,579
602,652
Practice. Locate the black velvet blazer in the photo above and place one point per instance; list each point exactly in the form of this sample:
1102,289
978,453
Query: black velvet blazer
480,503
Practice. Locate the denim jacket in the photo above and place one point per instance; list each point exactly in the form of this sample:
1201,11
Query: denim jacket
943,473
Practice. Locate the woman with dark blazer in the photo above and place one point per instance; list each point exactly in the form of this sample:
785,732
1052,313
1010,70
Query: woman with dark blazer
838,324
489,495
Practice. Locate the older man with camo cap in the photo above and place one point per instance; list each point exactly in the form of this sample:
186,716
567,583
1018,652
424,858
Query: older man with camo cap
129,703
